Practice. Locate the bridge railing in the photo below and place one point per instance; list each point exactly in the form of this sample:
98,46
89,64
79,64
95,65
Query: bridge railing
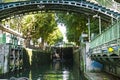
110,4
111,34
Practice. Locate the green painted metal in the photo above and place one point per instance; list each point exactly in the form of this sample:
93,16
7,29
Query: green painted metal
10,9
2,38
111,34
5,1
111,4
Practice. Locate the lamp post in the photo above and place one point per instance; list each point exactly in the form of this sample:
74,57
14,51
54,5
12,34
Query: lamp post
99,17
88,24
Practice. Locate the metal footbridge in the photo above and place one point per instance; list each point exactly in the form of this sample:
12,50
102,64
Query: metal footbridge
101,46
109,38
11,9
105,48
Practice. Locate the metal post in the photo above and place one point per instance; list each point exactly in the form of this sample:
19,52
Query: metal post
89,28
96,16
112,21
117,29
99,24
118,33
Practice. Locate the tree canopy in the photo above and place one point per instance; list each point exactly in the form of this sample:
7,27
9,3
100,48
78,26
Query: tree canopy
75,25
42,25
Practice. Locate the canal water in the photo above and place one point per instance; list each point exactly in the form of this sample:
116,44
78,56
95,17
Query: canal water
52,71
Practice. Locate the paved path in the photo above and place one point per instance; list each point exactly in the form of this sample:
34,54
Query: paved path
100,76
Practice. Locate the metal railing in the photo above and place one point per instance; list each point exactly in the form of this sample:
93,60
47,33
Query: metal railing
110,4
107,36
4,1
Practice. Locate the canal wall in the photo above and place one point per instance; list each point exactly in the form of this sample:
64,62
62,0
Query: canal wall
112,69
84,62
34,58
67,54
94,69
99,68
76,57
11,55
11,58
15,58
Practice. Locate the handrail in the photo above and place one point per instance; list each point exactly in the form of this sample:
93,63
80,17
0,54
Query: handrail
109,35
10,31
5,8
112,5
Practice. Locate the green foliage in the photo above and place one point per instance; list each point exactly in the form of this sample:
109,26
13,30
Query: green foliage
75,24
46,28
28,24
45,24
0,71
55,37
38,26
94,25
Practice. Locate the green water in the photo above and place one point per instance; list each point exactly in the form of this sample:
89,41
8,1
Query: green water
52,71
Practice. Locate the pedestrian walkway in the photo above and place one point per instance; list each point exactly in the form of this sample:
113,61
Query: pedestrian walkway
100,76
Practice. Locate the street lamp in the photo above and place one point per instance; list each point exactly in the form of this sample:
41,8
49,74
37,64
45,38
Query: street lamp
96,16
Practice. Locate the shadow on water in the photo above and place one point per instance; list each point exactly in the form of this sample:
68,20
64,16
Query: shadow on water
53,71
42,68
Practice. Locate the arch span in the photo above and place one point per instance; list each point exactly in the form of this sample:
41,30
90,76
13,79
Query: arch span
84,7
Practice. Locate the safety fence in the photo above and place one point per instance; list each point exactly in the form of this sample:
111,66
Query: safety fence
110,4
110,34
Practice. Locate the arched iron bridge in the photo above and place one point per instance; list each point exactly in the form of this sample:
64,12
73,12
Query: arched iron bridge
20,8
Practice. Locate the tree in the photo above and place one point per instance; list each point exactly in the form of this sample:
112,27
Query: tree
33,27
28,24
55,37
46,24
75,24
41,26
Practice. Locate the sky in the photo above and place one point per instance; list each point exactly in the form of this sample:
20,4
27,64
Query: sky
62,28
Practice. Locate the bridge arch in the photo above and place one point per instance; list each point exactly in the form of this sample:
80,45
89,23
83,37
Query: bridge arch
84,7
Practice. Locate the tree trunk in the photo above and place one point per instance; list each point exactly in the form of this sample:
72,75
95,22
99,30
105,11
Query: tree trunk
27,43
42,44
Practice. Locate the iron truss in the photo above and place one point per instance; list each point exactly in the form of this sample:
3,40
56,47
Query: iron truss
83,7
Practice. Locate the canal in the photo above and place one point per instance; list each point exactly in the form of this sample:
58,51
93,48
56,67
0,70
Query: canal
51,71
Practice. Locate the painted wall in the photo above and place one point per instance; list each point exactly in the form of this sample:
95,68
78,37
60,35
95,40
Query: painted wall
91,65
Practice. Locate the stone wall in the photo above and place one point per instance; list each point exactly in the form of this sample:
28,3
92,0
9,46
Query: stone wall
114,70
34,58
4,58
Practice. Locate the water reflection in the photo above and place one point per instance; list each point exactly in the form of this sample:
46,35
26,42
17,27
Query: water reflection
53,71
56,65
65,75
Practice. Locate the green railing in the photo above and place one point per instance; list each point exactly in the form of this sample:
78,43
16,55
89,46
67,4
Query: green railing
111,34
110,4
4,1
